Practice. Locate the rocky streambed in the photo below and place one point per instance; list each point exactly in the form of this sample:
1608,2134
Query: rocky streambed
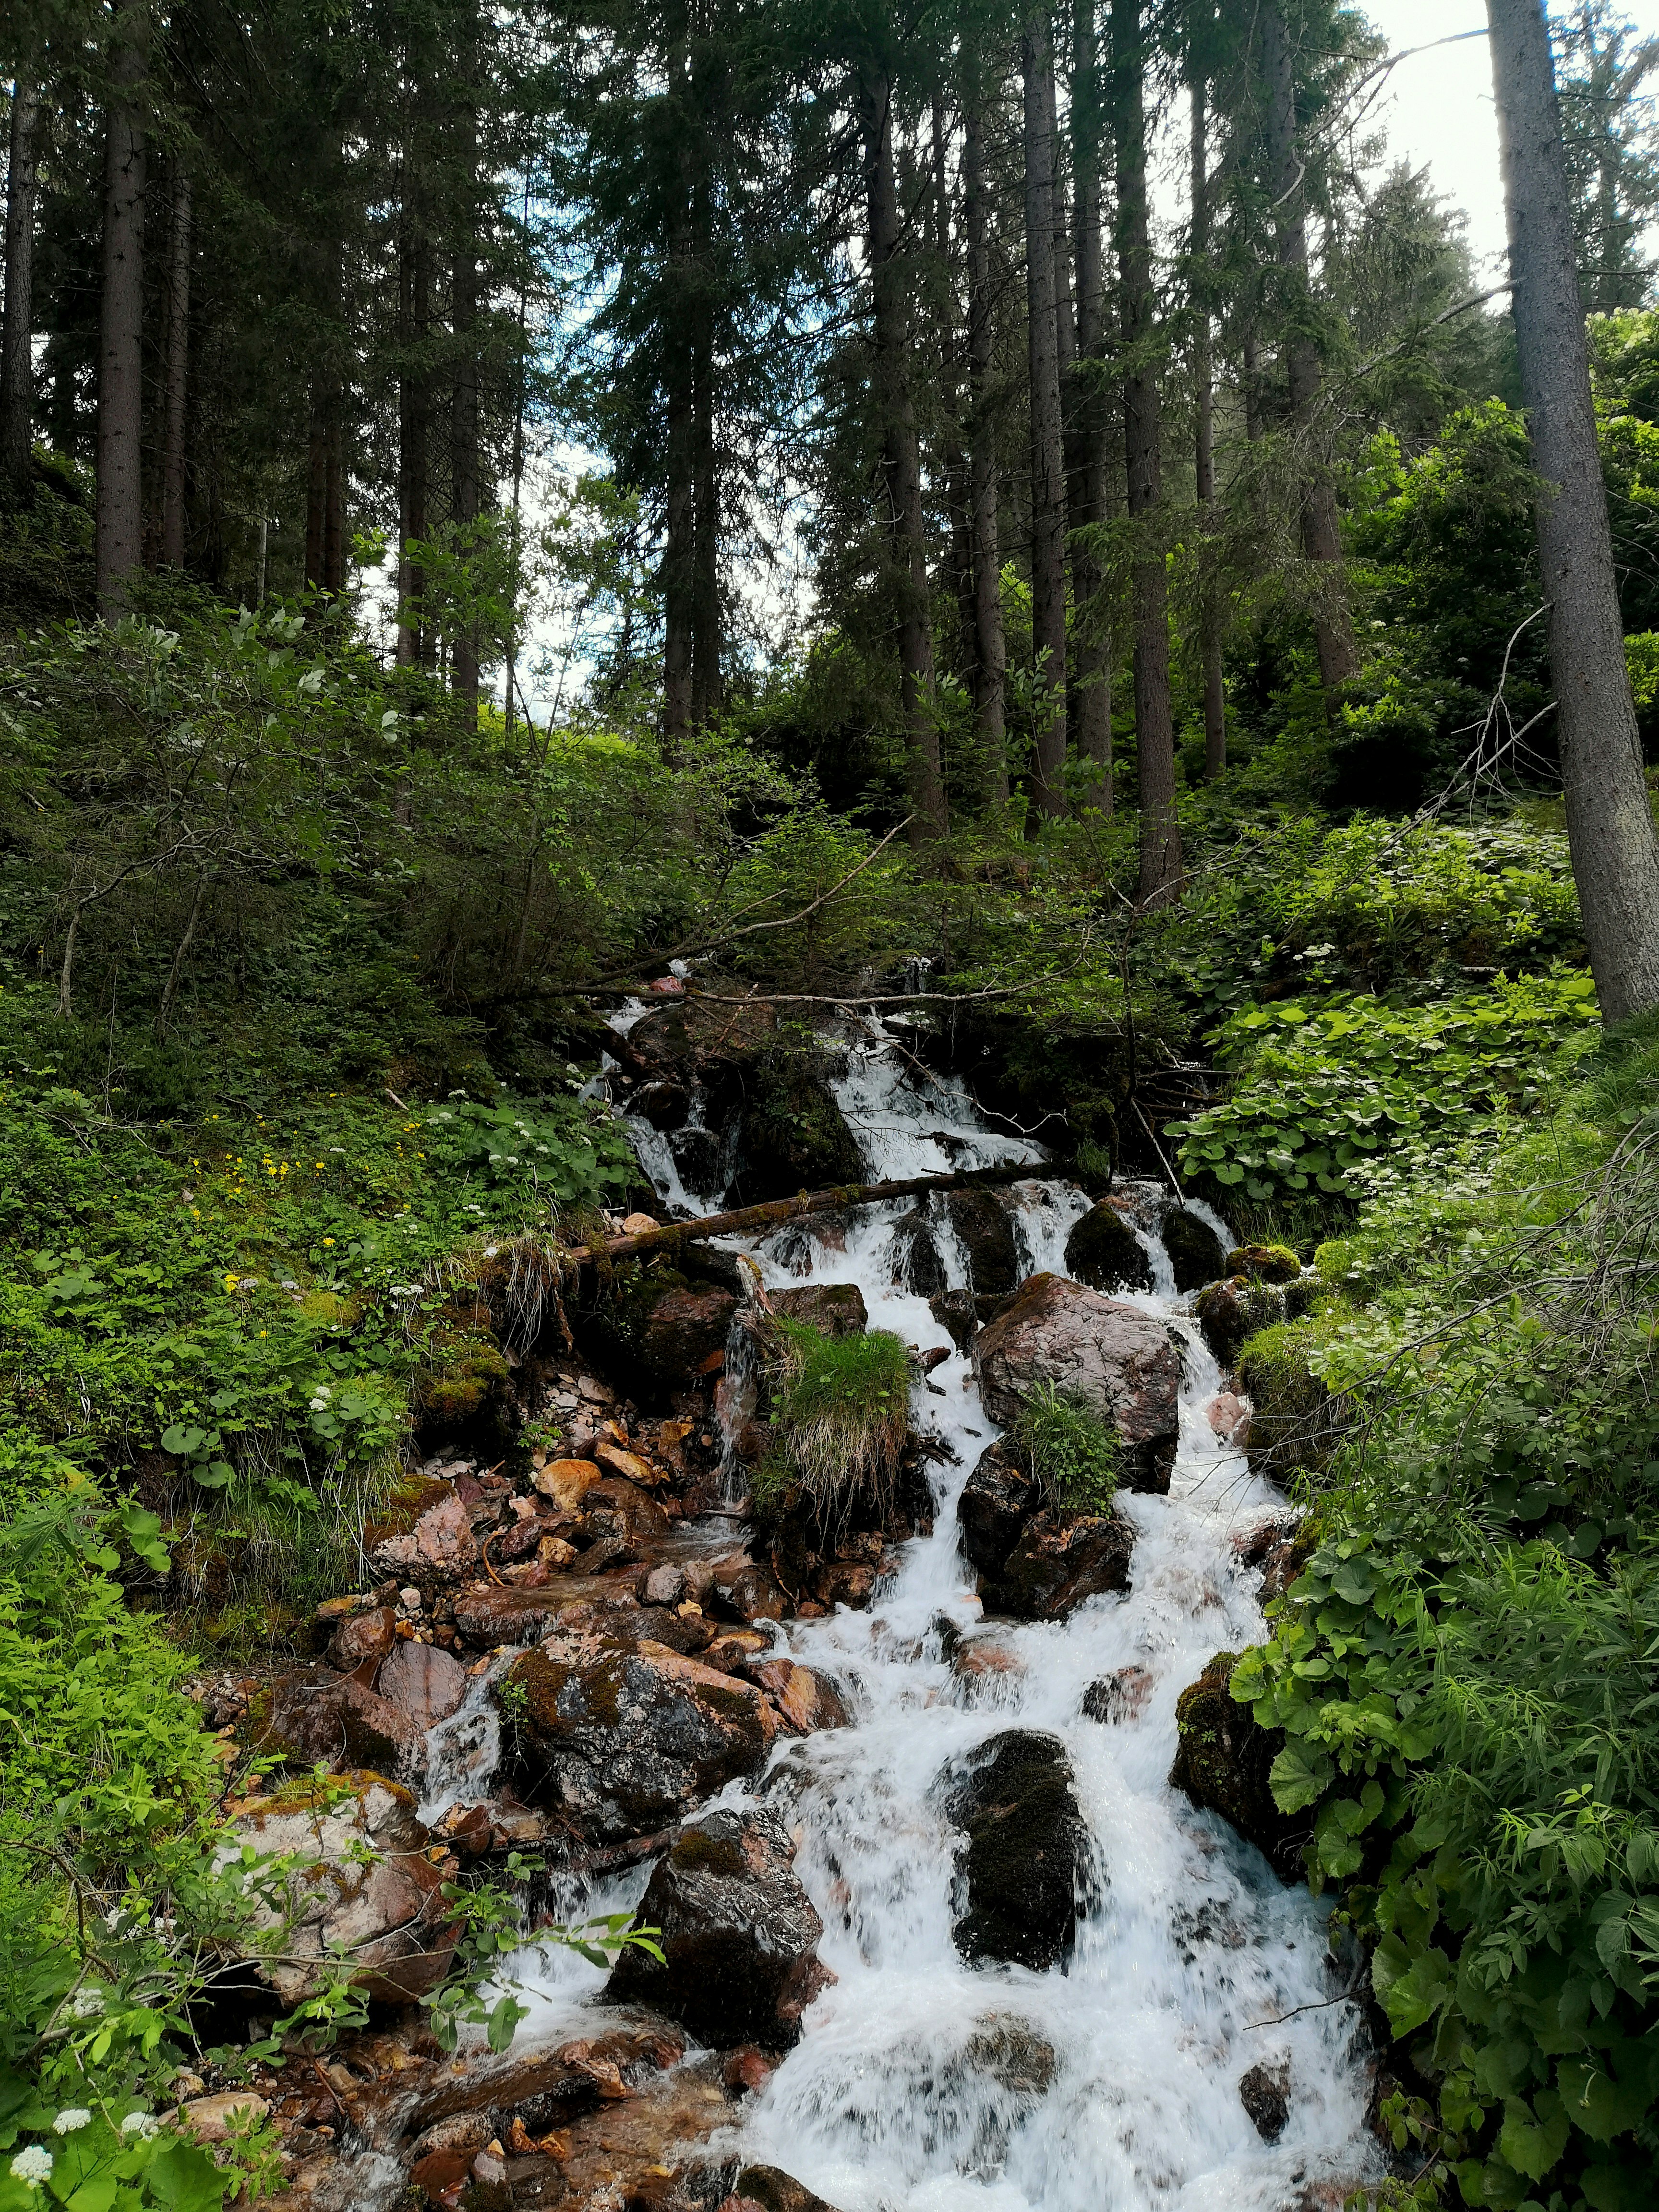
950,1911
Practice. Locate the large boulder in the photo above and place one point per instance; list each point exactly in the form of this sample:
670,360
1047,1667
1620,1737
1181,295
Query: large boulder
366,1886
835,1309
624,1737
1060,1560
1115,1359
1196,1254
1104,1252
341,1721
1222,1759
997,1499
739,1935
985,1230
1026,1853
422,1681
791,1133
682,1330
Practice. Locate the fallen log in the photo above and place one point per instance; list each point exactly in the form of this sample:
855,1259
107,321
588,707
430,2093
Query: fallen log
776,1211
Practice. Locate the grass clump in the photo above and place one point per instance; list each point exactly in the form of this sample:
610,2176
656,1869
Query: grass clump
1070,1453
841,1411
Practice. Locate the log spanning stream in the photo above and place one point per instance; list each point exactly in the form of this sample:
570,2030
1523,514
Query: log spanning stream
1110,2083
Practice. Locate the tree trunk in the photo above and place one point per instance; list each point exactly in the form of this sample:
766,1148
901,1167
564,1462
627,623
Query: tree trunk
1209,607
463,417
1048,458
178,372
957,494
1322,536
16,345
118,529
991,649
414,423
1610,829
676,572
706,638
1092,651
902,460
1160,829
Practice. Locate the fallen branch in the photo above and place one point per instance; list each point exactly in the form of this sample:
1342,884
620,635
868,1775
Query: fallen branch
776,1211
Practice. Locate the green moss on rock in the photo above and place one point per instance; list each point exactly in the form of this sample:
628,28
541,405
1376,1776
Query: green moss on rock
1222,1763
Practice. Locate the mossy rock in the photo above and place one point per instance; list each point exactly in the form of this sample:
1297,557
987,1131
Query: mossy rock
1104,1252
1222,1762
792,1135
1296,1423
1264,1263
469,1374
1028,1847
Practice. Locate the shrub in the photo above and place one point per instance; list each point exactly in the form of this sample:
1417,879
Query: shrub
841,1410
1072,1453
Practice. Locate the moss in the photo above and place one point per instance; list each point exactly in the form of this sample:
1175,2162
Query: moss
698,1851
468,1372
1296,1424
1264,1263
1222,1762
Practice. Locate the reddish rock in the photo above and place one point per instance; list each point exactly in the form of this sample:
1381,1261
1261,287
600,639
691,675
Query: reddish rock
837,1308
620,1513
844,1582
566,1482
1118,1696
805,1700
363,1638
749,1591
443,1537
423,1682
1112,1357
488,1614
748,2069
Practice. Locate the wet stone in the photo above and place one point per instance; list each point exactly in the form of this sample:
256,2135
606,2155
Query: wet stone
1196,1254
1104,1252
1027,1850
1265,2094
1119,1696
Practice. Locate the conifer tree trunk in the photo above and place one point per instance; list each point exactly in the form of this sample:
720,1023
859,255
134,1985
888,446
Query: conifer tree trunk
706,638
1048,458
464,467
118,528
1092,651
177,372
1209,613
991,649
414,425
895,416
1322,536
957,492
1160,829
16,341
677,560
1615,855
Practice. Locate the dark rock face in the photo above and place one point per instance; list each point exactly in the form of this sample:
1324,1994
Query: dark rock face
768,2189
790,1132
1118,1696
1265,2094
997,1499
986,1232
338,1720
626,1738
1104,1252
684,1329
517,1614
1061,1559
618,1513
916,1263
957,1312
1027,1850
1115,1358
740,1935
1222,1763
1223,1313
1196,1253
837,1308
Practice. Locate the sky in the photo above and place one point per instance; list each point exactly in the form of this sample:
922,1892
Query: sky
1438,107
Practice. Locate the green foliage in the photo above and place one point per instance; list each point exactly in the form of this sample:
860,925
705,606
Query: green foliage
1325,1088
1068,1450
1465,1670
841,1410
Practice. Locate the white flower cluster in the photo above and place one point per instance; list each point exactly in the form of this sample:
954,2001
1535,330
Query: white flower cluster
320,1398
145,2125
72,2118
32,2166
89,2003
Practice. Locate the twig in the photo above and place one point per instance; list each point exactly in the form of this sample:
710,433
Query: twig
1324,2004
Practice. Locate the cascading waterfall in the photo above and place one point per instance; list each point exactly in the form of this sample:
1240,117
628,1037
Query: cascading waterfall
1111,2083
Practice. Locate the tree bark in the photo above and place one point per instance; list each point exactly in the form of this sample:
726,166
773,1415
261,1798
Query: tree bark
991,648
1091,652
902,459
1209,608
958,492
1610,827
464,418
17,344
1048,457
676,572
178,372
1160,829
707,689
1322,536
119,529
414,424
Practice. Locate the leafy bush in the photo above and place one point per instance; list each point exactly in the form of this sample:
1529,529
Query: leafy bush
841,1410
1322,1089
1069,1451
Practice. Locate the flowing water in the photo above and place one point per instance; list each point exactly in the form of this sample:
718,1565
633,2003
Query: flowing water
1110,2084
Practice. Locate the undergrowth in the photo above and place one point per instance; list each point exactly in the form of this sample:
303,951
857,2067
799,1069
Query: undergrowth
841,1412
1070,1453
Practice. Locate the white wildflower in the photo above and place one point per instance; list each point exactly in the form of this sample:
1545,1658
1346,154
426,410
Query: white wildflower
72,2117
88,2004
32,2166
144,2125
